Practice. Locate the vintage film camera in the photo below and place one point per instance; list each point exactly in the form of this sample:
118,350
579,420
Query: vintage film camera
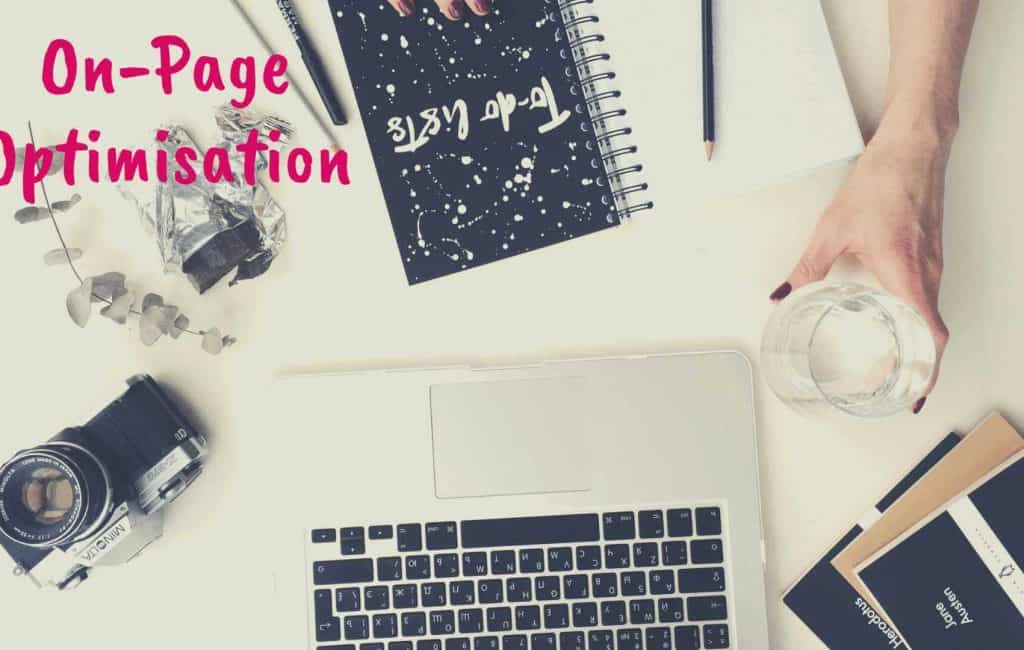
92,495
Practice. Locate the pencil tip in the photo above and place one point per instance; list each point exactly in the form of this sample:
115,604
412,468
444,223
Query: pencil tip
709,148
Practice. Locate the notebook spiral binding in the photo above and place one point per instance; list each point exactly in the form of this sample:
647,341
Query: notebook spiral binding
597,96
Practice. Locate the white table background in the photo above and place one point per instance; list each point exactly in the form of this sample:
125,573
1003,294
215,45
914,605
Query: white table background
338,299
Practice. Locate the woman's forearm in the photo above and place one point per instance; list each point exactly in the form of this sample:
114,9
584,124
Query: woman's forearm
929,40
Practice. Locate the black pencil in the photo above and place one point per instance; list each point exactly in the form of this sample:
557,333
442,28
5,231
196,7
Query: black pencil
708,38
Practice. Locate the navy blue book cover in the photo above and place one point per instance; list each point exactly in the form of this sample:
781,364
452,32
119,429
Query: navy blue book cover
956,582
830,607
479,130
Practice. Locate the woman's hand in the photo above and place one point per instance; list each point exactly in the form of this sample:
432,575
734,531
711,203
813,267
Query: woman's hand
454,9
889,215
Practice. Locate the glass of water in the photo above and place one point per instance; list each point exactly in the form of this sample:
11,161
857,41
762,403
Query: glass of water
845,347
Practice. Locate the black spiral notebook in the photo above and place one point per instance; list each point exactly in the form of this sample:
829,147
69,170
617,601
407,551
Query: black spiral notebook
494,136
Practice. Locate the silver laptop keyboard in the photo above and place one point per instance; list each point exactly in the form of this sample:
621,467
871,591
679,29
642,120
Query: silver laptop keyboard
634,580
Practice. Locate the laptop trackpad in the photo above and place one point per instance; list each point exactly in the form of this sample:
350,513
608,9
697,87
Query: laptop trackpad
510,437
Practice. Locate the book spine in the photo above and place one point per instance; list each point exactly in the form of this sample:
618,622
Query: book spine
593,79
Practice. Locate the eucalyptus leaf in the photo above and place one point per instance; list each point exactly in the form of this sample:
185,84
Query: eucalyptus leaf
79,303
180,324
19,158
166,323
62,256
119,309
64,206
31,214
107,286
152,300
58,163
213,342
149,324
228,341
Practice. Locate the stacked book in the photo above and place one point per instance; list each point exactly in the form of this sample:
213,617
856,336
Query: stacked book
936,564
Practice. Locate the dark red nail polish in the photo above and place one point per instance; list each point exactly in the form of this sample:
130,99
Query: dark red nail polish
780,294
919,405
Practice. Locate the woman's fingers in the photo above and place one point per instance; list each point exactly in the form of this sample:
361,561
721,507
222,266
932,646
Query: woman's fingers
824,249
918,285
454,9
404,7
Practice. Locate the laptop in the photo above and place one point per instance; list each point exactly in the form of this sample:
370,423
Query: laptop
600,504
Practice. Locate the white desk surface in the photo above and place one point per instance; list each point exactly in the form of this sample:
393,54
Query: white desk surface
338,299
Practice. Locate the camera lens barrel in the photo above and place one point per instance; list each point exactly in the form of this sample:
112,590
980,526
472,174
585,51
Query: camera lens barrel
53,495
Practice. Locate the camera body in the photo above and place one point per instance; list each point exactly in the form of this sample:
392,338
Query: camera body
92,495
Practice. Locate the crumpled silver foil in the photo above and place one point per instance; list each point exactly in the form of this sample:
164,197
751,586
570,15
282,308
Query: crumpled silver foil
205,230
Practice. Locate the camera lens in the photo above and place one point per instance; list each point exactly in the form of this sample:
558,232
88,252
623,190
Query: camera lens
52,495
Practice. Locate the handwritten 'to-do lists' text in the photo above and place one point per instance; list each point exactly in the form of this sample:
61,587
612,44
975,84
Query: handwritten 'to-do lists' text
411,133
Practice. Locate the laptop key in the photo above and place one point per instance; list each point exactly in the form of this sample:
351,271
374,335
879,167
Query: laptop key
709,521
376,598
556,616
680,522
630,639
576,586
514,642
584,615
357,628
707,608
606,585
616,556
531,560
474,564
410,538
462,592
328,626
428,644
687,637
385,626
634,583
560,559
588,558
542,641
400,645
601,640
417,567
528,617
706,551
499,619
353,541
503,562
471,621
703,580
489,592
325,536
716,636
645,554
485,643
619,525
674,553
432,594
518,590
548,588
404,596
670,610
446,565
651,524
572,641
442,536
347,599
613,613
382,532
456,643
342,572
389,568
414,624
659,638
662,582
442,622
641,612
371,646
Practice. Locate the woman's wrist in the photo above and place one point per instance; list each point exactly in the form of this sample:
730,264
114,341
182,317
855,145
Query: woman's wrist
927,122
